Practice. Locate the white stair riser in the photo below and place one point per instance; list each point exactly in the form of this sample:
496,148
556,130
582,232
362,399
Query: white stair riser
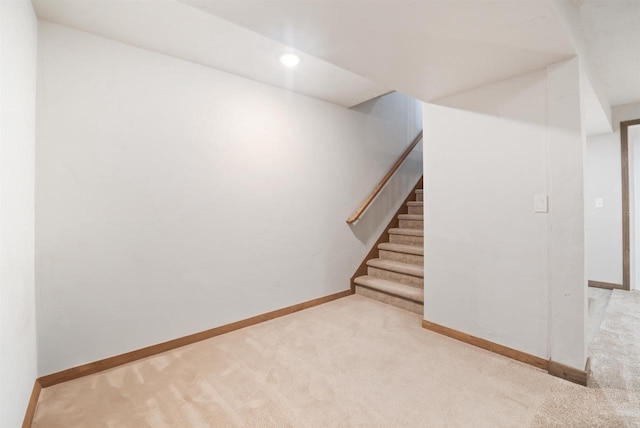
406,239
390,300
416,210
402,278
402,257
411,224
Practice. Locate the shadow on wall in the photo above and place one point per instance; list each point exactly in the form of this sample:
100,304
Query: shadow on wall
381,210
393,108
369,107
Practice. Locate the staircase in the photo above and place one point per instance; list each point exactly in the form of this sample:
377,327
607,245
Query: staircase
396,277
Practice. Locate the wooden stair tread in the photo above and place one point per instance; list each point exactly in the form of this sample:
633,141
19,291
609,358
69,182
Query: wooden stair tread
402,248
418,190
415,203
409,232
399,267
393,288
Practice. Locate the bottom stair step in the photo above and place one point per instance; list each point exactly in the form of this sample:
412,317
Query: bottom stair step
388,299
393,293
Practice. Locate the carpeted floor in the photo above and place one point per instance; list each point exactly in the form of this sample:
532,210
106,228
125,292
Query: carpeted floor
613,396
354,362
598,303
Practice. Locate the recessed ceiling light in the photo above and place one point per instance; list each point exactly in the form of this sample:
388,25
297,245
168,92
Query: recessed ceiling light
290,60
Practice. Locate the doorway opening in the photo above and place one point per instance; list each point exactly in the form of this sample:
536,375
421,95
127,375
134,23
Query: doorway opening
630,150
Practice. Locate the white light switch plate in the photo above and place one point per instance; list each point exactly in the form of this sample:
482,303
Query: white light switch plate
541,203
599,203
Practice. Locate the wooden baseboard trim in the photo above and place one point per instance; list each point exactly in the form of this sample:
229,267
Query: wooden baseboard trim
31,407
606,285
541,363
581,377
118,360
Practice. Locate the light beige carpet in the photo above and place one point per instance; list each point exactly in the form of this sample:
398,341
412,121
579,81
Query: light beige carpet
613,396
598,303
352,362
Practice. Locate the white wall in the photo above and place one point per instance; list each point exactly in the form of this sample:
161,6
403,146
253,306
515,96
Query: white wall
603,180
489,268
604,225
18,44
174,198
596,107
566,253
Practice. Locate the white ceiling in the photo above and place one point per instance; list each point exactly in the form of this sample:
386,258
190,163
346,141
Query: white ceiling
179,30
612,31
427,49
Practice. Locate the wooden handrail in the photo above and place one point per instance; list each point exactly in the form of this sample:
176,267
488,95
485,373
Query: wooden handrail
356,215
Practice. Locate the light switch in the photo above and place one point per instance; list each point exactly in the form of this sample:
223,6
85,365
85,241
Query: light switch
541,203
599,203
